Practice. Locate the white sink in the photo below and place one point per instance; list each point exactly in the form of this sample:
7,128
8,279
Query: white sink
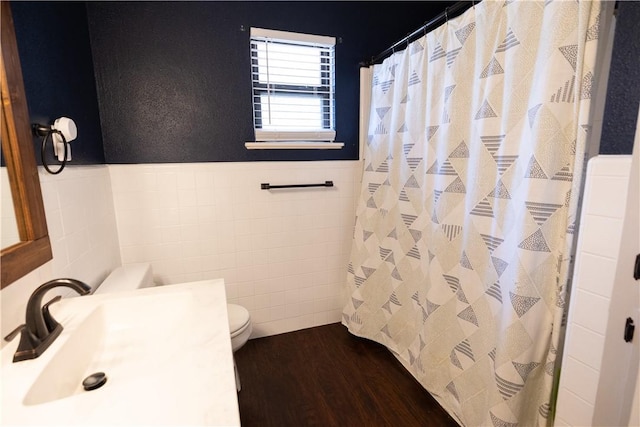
166,353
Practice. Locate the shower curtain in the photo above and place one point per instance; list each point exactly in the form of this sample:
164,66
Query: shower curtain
465,221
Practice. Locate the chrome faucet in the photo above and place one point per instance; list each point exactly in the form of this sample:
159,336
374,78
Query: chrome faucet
40,328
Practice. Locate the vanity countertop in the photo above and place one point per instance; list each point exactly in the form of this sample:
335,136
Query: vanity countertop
179,373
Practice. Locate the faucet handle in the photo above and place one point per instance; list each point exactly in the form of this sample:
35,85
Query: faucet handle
28,343
49,321
15,332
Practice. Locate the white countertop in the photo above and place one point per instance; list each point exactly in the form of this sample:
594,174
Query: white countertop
189,380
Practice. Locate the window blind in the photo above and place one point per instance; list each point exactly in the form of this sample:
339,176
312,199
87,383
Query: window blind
293,79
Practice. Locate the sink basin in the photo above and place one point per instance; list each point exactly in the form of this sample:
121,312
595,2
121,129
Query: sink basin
166,353
121,337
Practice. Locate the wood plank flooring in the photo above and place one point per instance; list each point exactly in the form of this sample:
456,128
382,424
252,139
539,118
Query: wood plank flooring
325,376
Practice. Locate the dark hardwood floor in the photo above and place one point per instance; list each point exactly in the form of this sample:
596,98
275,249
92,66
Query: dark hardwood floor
325,376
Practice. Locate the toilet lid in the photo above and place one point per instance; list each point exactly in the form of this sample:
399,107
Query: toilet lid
238,317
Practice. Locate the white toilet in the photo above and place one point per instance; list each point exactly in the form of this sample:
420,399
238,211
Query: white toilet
239,325
240,328
137,276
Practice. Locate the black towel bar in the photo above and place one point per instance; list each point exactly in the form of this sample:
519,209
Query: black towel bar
267,186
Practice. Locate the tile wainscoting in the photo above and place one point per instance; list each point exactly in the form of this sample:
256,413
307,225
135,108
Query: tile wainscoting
603,210
283,253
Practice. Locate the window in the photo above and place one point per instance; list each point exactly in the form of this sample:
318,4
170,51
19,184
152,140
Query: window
293,78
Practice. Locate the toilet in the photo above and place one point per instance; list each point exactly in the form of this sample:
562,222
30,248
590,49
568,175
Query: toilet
138,276
240,328
239,325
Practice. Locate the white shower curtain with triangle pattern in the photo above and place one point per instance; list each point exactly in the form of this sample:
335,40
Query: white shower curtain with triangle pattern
465,220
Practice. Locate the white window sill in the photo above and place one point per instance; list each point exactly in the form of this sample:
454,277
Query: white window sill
293,145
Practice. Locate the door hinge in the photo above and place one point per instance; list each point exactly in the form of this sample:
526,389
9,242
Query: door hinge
629,327
636,268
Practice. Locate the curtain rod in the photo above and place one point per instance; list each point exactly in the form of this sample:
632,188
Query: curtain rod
449,12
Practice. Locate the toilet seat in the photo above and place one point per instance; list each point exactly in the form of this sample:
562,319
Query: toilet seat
239,319
240,330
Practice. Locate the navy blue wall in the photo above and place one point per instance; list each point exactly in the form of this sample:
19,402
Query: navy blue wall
623,90
173,77
174,82
57,68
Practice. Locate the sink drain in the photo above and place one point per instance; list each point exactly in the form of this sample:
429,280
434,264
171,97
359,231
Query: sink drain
94,381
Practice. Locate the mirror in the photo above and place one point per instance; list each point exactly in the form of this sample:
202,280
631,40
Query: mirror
34,247
8,227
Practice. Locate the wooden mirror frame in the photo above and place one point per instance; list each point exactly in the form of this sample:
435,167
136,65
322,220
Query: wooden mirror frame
34,248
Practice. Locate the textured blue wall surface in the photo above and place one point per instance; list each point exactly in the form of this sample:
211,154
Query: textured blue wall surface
57,69
174,78
623,91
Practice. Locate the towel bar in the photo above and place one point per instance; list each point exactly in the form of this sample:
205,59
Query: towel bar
267,186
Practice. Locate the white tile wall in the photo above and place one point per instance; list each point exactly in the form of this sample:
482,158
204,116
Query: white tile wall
598,245
283,253
82,227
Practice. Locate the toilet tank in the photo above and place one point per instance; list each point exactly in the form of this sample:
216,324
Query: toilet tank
126,278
